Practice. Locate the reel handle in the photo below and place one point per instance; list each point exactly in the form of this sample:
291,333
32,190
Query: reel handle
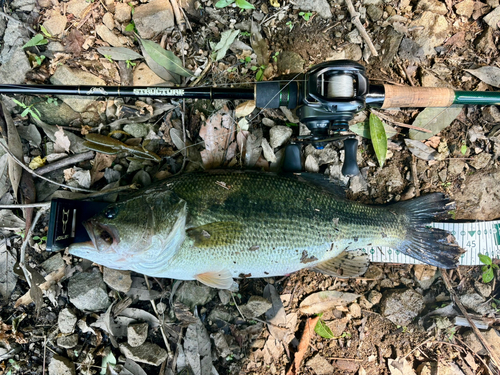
350,167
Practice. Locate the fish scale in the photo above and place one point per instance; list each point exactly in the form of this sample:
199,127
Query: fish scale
213,226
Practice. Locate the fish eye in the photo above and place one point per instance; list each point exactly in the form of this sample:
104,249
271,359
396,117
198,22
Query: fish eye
111,213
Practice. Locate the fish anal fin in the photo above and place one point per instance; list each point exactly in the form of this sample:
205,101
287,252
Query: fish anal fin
220,233
347,264
216,279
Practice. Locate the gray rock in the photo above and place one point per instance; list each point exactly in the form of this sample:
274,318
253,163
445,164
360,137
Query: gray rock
355,310
411,51
68,342
493,19
23,5
357,184
108,20
493,338
290,62
279,135
61,366
8,278
374,272
390,46
224,296
117,279
354,37
434,6
476,302
481,161
374,297
431,30
483,289
353,52
401,306
77,7
374,12
15,66
220,314
87,291
456,167
191,294
123,12
320,365
109,37
465,8
320,6
485,42
425,275
53,263
137,130
148,353
152,18
66,321
256,306
64,75
473,342
137,334
55,23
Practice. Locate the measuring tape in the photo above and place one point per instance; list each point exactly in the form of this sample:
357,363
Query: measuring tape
479,237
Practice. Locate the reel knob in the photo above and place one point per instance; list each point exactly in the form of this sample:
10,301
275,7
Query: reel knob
350,167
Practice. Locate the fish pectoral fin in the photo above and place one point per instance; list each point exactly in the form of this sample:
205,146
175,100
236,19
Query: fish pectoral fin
220,233
216,279
347,264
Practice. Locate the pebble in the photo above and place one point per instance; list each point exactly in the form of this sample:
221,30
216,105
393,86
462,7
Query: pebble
483,289
109,37
144,76
268,122
256,306
66,321
117,279
355,310
77,7
431,30
68,342
374,272
137,334
374,12
493,18
152,18
401,306
61,366
481,161
434,6
55,23
465,8
322,7
148,353
455,167
123,12
279,135
425,275
87,291
23,5
108,20
374,297
320,365
191,294
476,302
311,164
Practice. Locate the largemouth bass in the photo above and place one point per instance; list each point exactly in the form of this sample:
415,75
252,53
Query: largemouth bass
216,226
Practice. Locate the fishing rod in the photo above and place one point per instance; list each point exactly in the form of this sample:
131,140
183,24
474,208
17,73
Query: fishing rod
325,99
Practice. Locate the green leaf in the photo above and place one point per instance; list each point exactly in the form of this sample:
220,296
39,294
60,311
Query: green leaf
379,138
259,75
165,58
130,27
485,259
25,112
323,330
463,149
119,53
37,40
434,119
45,32
226,39
223,3
363,129
108,359
243,4
488,275
22,105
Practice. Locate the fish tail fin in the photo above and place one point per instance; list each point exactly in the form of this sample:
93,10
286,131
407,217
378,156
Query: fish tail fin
433,246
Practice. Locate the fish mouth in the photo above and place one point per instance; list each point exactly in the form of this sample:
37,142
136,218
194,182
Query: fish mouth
104,237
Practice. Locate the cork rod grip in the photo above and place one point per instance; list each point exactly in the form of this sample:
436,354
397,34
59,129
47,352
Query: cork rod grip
404,96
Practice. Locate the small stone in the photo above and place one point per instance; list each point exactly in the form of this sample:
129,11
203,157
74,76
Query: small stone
311,164
455,167
137,334
108,20
290,62
320,365
476,302
55,23
109,37
355,310
191,294
117,279
8,277
374,12
268,151
54,263
319,6
364,303
493,18
220,314
144,76
431,30
279,135
152,18
123,12
411,51
483,289
390,46
68,342
268,122
374,297
148,353
425,275
137,130
354,37
224,296
493,338
337,326
472,341
23,5
256,306
401,306
374,272
434,6
481,161
77,7
87,291
66,321
465,8
61,366
353,52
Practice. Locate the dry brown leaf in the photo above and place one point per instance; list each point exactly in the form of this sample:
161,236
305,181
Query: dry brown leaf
303,345
244,109
259,45
50,280
326,300
62,142
68,174
218,134
74,42
101,162
15,146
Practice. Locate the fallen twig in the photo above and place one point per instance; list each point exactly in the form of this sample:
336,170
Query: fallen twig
178,15
414,172
401,124
61,163
362,31
28,205
303,345
477,332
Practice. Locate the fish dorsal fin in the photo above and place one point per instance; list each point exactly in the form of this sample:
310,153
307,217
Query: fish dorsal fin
322,181
220,279
220,233
347,264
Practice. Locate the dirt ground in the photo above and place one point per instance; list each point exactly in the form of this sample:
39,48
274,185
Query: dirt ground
72,316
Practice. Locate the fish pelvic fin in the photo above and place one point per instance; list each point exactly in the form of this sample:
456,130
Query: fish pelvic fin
433,246
215,234
347,264
216,279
